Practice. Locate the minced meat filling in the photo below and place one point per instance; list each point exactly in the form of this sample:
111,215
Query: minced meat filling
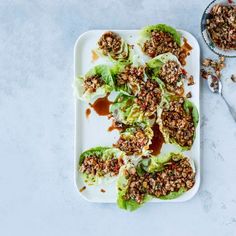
159,43
92,83
110,42
222,26
176,175
149,97
133,76
178,123
92,165
133,144
171,73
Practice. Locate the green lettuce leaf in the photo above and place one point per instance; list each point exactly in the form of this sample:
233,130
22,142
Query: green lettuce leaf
126,111
154,65
122,183
146,31
150,165
173,195
190,108
157,163
101,70
125,53
104,153
129,134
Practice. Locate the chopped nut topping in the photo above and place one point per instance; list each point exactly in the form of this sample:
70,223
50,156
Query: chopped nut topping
133,144
163,42
191,81
149,97
82,189
171,73
204,74
92,165
178,123
222,27
110,42
233,78
92,83
215,67
189,95
176,175
133,76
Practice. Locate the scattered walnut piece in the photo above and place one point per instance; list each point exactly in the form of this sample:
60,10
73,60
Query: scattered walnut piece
204,74
189,95
233,78
190,81
82,189
215,67
206,62
102,190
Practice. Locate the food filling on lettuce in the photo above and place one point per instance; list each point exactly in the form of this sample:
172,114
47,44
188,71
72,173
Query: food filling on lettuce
100,162
178,122
166,179
135,140
112,45
161,38
97,82
130,79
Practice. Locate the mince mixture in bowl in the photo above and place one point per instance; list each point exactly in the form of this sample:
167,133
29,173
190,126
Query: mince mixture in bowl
175,175
172,74
178,123
221,26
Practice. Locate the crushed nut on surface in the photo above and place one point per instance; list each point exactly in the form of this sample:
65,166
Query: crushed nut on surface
233,78
82,189
215,67
102,190
190,81
204,74
189,95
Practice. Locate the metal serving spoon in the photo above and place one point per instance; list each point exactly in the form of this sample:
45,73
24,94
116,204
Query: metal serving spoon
215,85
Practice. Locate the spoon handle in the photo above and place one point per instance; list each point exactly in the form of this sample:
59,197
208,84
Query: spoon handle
231,109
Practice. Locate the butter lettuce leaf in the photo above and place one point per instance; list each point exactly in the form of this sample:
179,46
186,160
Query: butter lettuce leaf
103,153
122,186
126,111
146,31
104,71
191,109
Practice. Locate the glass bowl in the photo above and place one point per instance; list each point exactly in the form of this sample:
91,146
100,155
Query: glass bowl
206,35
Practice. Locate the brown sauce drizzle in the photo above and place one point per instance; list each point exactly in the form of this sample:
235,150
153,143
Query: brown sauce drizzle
114,126
101,106
88,112
157,140
185,50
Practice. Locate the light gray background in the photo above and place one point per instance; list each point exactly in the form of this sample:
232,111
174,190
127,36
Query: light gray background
37,193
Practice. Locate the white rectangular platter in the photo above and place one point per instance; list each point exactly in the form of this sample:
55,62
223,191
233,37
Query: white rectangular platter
92,131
